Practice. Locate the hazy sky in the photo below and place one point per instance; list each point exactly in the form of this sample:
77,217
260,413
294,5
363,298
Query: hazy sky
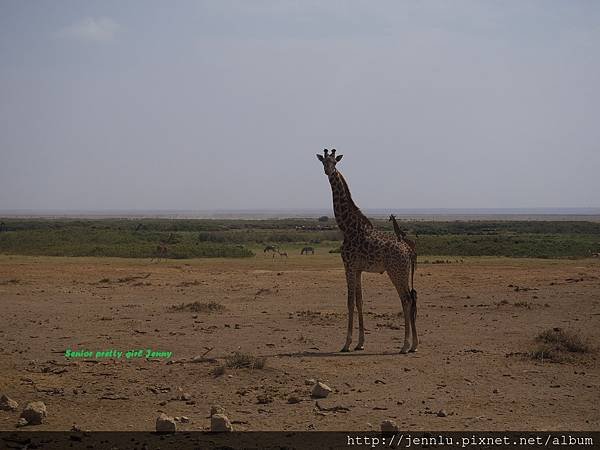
223,104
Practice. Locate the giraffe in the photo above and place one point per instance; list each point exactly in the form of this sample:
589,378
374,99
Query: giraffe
365,249
307,250
413,250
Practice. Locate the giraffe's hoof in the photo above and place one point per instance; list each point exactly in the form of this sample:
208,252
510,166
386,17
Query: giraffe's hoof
345,350
359,347
413,350
404,351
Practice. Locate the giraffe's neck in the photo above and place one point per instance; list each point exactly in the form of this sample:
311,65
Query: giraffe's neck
348,216
397,229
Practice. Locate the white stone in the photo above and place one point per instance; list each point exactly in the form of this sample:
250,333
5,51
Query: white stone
321,390
220,423
165,424
34,413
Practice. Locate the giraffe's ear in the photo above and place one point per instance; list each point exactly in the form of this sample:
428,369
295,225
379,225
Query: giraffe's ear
320,157
339,158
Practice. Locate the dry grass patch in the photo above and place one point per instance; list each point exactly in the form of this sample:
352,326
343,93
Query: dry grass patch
202,307
522,304
556,345
239,360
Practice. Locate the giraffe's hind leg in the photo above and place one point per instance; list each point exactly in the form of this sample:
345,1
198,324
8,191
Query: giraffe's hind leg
359,309
351,282
413,320
400,281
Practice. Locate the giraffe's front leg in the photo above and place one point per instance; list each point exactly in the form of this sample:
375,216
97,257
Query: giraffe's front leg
351,282
359,308
406,310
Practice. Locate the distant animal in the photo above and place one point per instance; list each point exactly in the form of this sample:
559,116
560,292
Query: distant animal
283,254
139,227
270,248
2,227
162,249
307,250
365,249
411,244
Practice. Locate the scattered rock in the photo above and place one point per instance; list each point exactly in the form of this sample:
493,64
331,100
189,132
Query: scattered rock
185,419
34,413
495,391
310,381
442,413
22,422
216,409
186,397
76,428
220,423
335,408
292,399
263,399
321,390
8,404
389,426
165,424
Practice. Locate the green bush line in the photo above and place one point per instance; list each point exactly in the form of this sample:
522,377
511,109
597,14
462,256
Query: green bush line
476,227
230,238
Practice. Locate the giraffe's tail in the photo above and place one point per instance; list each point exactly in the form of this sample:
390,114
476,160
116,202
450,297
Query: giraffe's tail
413,298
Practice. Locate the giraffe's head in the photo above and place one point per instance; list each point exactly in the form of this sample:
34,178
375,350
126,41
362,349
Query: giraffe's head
329,161
392,217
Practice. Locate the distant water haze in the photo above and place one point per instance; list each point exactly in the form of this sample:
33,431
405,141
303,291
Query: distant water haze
436,214
221,105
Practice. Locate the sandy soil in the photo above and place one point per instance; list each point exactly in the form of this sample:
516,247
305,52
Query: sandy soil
469,363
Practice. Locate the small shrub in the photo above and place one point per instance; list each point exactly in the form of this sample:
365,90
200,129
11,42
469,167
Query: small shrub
522,304
240,360
204,307
555,344
564,340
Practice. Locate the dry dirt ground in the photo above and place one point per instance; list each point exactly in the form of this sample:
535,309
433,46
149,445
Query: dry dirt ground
470,362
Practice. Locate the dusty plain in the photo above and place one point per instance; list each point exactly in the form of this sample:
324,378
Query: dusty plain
478,318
